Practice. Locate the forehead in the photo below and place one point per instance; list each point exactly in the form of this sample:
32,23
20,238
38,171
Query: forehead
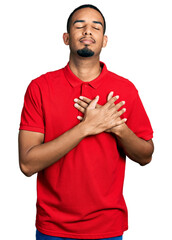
87,14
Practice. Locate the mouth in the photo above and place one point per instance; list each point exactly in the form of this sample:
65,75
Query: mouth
87,40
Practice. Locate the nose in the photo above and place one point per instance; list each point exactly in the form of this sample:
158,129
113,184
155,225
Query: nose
87,31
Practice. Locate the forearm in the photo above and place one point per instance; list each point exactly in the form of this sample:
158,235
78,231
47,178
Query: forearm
137,149
44,155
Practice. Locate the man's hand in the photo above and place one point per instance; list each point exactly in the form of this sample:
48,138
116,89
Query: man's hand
100,118
137,149
83,102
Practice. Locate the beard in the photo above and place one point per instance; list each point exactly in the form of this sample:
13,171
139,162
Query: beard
85,52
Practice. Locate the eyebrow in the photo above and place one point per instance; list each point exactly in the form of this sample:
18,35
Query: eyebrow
97,22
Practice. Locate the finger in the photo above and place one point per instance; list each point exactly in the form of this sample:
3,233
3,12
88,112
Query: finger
119,113
110,95
93,103
88,101
121,121
81,109
110,103
85,99
81,103
119,105
80,118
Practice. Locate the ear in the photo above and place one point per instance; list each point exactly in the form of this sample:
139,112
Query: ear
105,40
66,38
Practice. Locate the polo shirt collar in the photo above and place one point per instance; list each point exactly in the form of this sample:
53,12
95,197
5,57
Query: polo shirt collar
75,81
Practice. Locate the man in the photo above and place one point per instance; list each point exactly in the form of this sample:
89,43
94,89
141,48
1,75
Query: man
77,126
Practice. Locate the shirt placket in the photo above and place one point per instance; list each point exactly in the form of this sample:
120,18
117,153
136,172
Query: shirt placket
84,91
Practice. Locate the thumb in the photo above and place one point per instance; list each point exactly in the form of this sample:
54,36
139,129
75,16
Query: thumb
93,103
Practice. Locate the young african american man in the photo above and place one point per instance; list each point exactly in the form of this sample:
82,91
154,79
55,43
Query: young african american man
77,126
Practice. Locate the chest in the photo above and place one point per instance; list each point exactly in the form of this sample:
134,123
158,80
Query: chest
60,115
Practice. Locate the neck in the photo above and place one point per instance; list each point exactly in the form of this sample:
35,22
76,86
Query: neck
85,69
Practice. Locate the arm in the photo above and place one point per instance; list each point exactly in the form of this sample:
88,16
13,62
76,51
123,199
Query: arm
137,149
34,155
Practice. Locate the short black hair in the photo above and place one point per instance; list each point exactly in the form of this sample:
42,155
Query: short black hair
84,6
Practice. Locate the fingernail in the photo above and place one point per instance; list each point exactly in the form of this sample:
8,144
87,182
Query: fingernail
79,117
117,96
81,97
123,102
75,100
76,105
112,93
124,109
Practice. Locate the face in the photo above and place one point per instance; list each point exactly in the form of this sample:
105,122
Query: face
86,38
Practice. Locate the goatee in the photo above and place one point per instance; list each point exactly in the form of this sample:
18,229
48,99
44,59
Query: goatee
85,52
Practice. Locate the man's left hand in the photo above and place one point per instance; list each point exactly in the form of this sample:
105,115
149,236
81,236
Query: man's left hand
83,102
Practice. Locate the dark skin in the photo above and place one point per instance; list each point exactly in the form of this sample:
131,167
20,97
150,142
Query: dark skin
34,154
139,151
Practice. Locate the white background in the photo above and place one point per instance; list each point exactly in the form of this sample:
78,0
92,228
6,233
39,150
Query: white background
140,49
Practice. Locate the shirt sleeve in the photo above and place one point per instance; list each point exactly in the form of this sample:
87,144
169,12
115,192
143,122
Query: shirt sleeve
138,120
32,113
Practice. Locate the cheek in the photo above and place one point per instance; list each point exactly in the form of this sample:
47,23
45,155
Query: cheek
74,39
99,38
100,43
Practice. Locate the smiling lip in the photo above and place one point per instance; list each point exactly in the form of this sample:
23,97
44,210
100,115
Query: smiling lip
87,40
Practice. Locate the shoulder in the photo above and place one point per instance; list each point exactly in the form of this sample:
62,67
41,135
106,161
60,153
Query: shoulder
120,80
46,79
122,84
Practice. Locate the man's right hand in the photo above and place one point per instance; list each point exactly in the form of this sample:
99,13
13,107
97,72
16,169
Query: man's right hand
35,155
97,120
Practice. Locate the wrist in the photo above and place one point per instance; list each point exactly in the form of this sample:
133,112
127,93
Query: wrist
83,129
120,130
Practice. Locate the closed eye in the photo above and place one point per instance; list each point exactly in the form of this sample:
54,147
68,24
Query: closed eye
96,28
84,26
79,27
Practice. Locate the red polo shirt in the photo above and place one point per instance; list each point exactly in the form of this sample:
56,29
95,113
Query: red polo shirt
81,195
